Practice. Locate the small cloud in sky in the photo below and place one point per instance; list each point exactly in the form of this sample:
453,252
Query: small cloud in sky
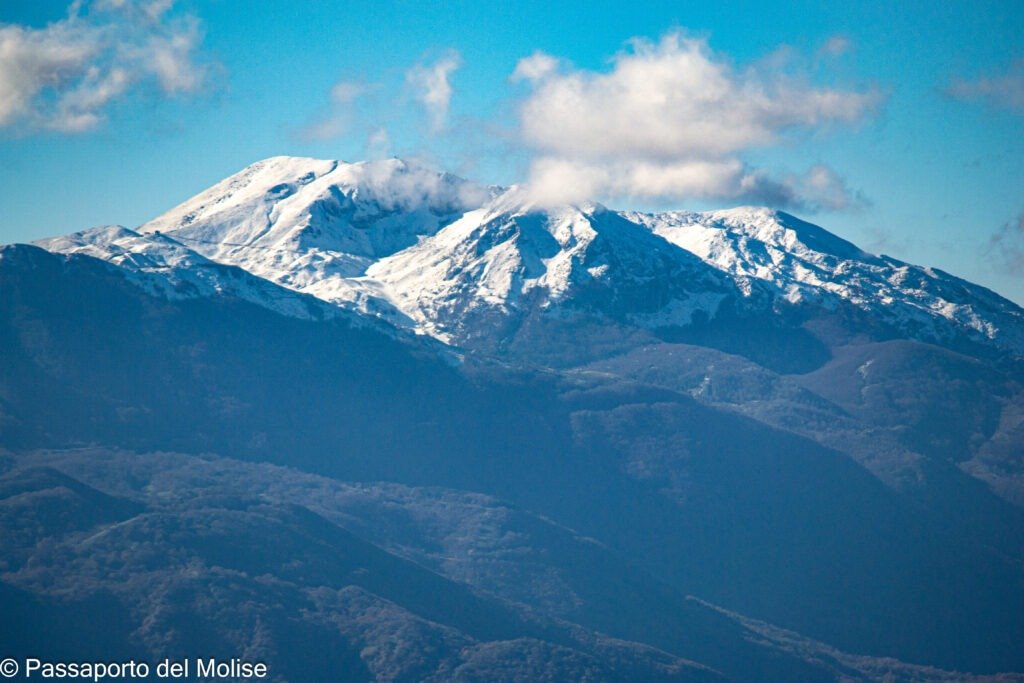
672,120
432,87
836,46
65,75
324,128
1004,90
378,144
338,116
821,188
347,92
1006,247
534,68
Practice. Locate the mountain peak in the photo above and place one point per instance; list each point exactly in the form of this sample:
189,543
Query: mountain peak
518,200
446,256
781,228
283,208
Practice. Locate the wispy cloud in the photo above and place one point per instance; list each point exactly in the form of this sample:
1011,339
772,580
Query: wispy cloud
374,109
836,46
378,143
1006,247
339,115
1004,90
672,119
432,87
65,75
822,188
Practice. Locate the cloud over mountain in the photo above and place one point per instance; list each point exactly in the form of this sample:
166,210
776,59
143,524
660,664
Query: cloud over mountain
673,119
340,113
432,86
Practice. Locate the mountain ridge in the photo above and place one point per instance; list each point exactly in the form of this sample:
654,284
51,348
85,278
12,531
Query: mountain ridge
383,238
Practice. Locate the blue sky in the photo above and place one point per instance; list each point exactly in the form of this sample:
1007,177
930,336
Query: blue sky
899,126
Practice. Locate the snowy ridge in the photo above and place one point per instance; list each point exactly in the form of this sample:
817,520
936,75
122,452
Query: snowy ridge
164,267
510,257
803,263
315,226
439,255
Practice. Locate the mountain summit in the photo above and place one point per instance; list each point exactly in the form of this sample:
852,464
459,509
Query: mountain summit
483,267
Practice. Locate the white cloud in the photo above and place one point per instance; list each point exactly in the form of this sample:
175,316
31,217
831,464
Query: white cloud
413,183
369,108
836,46
338,117
556,181
672,120
347,92
822,188
378,144
78,109
1004,90
432,87
324,128
64,75
168,57
535,67
33,60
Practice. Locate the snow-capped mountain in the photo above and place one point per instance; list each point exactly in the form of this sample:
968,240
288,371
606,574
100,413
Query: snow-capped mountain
509,259
165,267
315,226
470,265
803,263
